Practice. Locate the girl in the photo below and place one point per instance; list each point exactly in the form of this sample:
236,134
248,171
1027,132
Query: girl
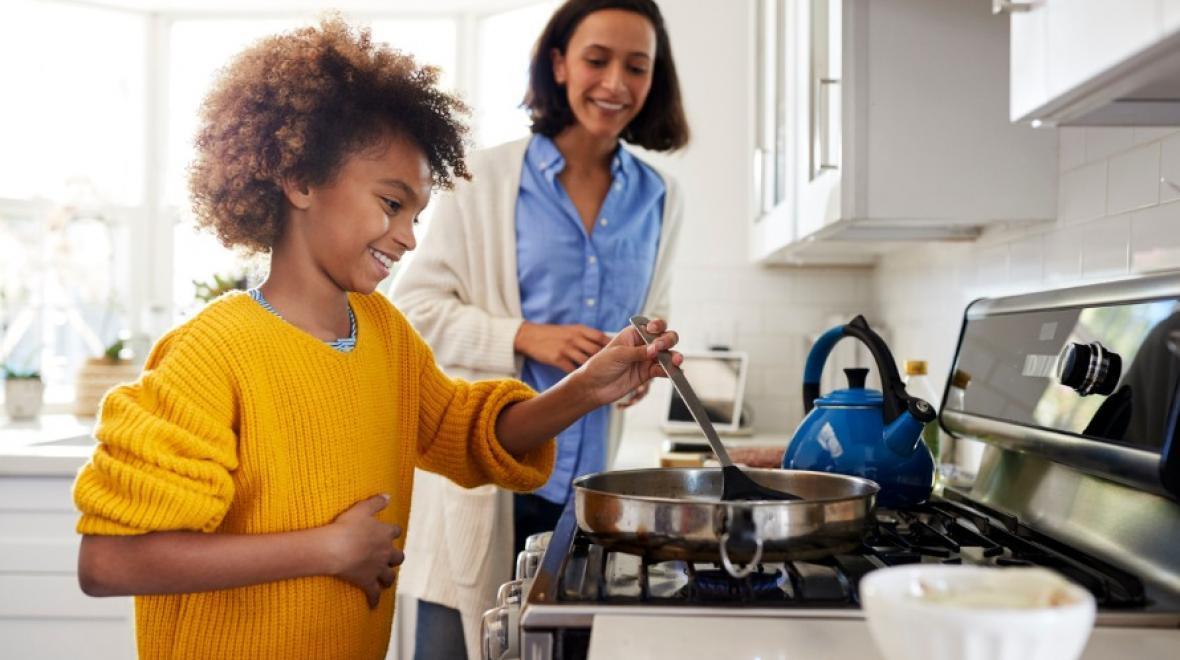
250,488
557,239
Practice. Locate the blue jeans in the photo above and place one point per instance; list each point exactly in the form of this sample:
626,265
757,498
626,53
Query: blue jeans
438,633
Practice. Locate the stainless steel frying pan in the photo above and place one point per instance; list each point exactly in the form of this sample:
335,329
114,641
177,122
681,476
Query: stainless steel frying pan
677,513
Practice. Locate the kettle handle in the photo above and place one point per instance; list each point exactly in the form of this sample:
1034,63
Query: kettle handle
896,401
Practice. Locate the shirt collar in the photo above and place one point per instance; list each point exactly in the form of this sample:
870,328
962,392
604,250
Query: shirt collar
544,156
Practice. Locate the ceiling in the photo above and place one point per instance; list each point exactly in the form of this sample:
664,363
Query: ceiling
300,6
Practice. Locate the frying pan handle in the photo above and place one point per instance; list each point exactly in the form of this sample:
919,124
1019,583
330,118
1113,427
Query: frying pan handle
741,529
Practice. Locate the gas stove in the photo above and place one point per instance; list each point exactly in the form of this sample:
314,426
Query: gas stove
578,579
1084,485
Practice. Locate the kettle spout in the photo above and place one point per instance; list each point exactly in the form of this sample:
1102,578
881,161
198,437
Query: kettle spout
904,435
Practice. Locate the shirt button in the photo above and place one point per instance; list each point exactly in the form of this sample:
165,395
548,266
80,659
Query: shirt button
593,259
589,302
602,222
619,186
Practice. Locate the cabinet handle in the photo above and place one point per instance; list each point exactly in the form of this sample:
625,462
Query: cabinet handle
823,125
1008,7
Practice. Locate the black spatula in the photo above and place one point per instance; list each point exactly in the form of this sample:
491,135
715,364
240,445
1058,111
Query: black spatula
735,485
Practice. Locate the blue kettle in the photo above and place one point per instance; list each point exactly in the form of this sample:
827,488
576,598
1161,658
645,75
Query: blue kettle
864,432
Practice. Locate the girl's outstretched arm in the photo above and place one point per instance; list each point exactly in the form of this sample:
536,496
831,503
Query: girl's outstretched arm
622,366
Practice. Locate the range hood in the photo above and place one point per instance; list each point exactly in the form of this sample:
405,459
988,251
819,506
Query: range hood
1142,90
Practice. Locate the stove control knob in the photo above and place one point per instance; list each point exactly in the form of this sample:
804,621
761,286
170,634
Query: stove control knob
500,628
529,559
527,563
494,634
510,593
1089,368
538,542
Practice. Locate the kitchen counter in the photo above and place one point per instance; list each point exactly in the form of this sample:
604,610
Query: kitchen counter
50,445
688,638
57,445
642,447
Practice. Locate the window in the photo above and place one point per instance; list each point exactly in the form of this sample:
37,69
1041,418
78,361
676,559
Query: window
96,235
71,184
506,42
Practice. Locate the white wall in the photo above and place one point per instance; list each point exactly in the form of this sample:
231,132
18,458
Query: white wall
1115,218
718,297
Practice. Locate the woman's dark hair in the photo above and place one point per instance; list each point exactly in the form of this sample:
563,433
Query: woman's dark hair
660,124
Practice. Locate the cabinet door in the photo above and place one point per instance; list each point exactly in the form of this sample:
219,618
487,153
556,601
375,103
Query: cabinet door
1029,61
818,100
774,225
1086,37
1170,12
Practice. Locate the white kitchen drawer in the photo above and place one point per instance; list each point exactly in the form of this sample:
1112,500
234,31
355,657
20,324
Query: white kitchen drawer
39,555
39,639
55,596
36,494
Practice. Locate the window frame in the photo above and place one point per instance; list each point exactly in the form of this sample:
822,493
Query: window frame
148,297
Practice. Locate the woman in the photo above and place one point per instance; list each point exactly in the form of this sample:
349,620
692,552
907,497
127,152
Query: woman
556,241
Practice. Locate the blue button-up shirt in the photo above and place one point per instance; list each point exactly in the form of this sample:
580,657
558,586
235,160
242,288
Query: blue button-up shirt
598,279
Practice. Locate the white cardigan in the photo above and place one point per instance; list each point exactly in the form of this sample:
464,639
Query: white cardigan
460,290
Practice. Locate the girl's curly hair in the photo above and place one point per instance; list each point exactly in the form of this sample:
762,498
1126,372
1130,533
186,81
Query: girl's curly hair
293,107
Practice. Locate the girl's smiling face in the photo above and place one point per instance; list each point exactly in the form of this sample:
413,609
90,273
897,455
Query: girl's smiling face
607,70
356,226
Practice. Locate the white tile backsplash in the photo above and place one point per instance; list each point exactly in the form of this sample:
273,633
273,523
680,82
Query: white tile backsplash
1026,260
1063,257
1102,143
1081,193
1115,218
1170,168
1155,238
1145,134
1104,246
916,295
1071,145
1133,179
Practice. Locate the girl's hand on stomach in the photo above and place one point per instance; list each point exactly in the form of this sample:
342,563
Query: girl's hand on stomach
361,548
563,346
626,364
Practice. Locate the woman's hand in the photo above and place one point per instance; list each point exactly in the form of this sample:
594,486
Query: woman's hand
362,550
563,346
627,364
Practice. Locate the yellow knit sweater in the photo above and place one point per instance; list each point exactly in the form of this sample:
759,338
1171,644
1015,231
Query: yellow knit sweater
244,424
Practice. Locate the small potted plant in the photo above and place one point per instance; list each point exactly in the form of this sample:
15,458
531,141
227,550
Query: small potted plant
22,393
99,375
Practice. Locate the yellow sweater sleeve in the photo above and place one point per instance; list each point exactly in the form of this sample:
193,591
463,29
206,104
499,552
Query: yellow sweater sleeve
457,432
166,445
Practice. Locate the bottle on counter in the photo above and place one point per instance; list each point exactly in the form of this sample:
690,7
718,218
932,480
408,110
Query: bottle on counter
917,384
963,455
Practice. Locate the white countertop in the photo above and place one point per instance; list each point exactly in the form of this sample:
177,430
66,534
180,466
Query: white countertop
690,638
54,445
50,445
641,447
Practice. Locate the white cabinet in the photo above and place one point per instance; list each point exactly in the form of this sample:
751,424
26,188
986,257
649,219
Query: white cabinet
1170,13
896,129
1095,62
43,612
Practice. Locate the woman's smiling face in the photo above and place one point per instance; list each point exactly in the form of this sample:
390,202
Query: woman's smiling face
607,70
361,222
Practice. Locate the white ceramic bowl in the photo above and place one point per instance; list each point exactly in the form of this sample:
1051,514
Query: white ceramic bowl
950,612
